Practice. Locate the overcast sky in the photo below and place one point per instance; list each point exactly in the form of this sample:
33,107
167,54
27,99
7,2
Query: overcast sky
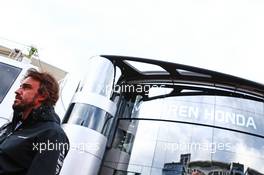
223,35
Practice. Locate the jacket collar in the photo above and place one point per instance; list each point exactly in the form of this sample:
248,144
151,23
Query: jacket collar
42,114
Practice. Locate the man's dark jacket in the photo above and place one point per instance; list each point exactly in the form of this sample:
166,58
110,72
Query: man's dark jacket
38,146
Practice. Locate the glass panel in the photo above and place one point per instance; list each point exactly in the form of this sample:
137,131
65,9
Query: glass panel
123,141
169,148
190,73
228,112
240,114
145,67
240,104
88,116
157,91
199,147
8,75
98,82
245,149
188,109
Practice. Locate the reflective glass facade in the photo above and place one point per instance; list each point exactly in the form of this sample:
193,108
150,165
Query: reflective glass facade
8,75
88,116
191,135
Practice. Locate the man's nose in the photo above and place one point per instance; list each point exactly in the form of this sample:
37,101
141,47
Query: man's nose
18,91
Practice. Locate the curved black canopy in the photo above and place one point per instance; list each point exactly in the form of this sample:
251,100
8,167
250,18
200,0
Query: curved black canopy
201,81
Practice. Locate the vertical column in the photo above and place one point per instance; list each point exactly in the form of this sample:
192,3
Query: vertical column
87,118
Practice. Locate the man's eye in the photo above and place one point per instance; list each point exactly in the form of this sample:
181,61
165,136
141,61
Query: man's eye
25,87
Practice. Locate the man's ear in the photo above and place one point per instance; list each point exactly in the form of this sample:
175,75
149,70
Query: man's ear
42,97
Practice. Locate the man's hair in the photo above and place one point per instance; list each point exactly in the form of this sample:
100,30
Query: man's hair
48,85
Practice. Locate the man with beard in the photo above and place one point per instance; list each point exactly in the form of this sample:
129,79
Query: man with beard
33,143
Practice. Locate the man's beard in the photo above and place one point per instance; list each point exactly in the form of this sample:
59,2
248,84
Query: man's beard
22,106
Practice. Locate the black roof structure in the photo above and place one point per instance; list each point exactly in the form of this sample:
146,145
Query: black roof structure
196,81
